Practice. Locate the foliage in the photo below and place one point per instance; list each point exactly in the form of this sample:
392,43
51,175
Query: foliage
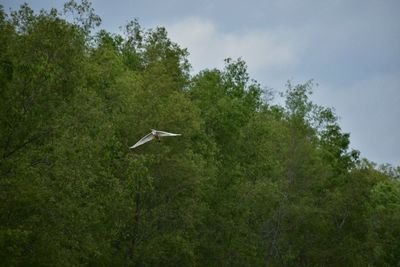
247,184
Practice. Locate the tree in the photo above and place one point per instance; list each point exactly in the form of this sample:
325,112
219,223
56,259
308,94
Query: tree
248,183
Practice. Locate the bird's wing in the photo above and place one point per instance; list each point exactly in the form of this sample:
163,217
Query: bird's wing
145,139
162,134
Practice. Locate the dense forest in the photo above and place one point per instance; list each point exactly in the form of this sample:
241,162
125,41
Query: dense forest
249,182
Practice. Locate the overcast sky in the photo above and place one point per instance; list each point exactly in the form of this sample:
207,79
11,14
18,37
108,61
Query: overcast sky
350,48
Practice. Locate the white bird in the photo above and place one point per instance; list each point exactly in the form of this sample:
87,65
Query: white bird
154,134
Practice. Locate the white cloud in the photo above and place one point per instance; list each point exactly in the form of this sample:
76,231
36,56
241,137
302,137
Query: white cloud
261,49
351,69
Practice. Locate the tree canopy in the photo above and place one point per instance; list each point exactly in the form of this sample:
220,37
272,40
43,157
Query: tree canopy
249,182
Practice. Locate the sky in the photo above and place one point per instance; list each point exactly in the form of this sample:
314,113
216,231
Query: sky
351,48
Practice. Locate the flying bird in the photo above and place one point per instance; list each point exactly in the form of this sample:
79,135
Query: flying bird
154,134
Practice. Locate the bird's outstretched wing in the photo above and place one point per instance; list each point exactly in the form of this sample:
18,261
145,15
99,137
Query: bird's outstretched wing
163,134
145,139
